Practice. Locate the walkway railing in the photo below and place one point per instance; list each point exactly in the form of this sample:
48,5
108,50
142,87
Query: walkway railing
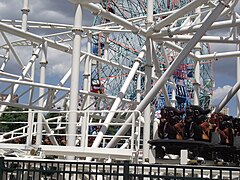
25,169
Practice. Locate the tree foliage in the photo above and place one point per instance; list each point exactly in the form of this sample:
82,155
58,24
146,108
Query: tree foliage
11,121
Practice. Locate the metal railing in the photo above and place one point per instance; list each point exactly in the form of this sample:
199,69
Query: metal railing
25,169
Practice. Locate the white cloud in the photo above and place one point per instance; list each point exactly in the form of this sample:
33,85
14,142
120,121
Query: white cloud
220,93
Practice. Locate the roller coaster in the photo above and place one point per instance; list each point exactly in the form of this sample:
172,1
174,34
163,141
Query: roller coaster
120,81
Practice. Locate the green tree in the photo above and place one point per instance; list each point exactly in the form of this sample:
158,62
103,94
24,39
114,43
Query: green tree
13,120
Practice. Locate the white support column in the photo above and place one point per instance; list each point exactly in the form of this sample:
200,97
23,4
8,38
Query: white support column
147,111
138,90
196,83
149,13
174,93
74,88
25,10
238,72
238,80
31,113
106,45
86,87
43,64
166,75
148,84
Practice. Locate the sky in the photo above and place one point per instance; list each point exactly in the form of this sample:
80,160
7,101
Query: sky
62,11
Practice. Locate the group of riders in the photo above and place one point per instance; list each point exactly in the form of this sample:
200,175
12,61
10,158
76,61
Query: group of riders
195,123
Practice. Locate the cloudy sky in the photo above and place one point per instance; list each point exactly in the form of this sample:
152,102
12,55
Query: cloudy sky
61,11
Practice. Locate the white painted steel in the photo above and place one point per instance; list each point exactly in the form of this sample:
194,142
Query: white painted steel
74,87
25,10
179,13
43,64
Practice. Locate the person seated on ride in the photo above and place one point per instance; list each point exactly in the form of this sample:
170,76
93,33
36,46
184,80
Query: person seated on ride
170,126
222,124
236,126
196,125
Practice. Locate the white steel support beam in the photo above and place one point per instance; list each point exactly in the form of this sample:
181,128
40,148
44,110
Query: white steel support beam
194,28
86,87
173,100
148,84
158,73
34,38
177,48
119,98
171,18
27,68
6,59
149,13
74,87
166,75
227,98
238,80
66,77
25,10
99,10
217,56
13,51
208,39
31,113
43,64
238,74
147,111
196,84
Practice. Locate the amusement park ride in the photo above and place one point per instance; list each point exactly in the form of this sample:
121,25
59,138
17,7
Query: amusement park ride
140,81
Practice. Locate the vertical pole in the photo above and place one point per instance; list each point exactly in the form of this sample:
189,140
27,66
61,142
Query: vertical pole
196,84
77,30
31,113
147,111
238,70
86,87
138,121
126,170
173,100
106,45
43,64
139,88
1,167
238,80
148,85
25,10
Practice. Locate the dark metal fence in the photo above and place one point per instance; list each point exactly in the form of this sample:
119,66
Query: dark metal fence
16,169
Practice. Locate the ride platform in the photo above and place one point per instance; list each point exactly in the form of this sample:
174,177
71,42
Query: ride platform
207,150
